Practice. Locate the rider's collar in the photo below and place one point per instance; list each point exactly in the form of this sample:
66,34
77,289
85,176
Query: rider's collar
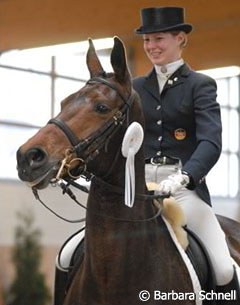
169,69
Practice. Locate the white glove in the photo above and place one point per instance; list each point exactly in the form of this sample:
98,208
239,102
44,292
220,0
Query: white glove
174,183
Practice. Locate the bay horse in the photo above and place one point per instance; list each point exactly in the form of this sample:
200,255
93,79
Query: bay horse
128,252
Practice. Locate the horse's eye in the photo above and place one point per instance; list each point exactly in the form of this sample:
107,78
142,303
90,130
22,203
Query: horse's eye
102,108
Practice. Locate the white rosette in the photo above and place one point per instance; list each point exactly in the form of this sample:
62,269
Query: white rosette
131,144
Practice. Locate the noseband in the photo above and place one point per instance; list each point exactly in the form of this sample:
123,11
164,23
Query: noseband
87,149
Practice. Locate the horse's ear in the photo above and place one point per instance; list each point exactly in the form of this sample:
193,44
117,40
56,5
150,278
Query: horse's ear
119,62
94,66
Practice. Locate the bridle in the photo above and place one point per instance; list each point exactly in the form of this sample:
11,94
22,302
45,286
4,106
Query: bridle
87,149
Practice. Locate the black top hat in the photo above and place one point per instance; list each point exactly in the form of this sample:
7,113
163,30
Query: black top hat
163,19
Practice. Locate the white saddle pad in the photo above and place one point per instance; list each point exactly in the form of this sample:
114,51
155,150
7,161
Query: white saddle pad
64,257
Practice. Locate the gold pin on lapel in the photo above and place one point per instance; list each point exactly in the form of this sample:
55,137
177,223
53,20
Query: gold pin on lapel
180,134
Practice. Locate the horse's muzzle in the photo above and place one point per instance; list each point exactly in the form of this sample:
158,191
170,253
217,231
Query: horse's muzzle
34,167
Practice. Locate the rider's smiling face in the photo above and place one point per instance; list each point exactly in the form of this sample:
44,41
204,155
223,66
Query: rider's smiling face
163,47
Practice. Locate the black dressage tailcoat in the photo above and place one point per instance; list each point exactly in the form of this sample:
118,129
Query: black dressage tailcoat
183,121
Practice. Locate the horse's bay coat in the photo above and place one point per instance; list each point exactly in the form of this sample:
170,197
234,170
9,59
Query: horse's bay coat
187,103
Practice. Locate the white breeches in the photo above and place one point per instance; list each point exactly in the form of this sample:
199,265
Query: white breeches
201,220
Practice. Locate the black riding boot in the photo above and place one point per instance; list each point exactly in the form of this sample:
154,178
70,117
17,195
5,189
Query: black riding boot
231,287
60,285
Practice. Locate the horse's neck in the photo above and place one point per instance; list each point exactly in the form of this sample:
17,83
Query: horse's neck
107,214
114,237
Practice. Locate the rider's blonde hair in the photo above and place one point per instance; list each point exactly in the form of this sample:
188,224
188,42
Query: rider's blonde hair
185,38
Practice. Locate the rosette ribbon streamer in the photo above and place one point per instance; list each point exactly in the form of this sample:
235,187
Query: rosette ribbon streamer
131,144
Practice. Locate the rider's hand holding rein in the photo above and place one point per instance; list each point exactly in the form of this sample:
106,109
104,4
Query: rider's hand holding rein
174,183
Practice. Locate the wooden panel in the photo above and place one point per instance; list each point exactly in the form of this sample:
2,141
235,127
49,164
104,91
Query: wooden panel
28,23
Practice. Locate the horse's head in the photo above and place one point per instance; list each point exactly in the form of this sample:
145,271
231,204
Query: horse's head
90,123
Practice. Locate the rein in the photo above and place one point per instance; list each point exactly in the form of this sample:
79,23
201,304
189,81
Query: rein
68,191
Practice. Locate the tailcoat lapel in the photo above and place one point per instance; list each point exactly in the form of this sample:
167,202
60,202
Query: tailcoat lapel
151,85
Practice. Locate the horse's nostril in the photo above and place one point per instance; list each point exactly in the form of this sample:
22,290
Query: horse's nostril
36,157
